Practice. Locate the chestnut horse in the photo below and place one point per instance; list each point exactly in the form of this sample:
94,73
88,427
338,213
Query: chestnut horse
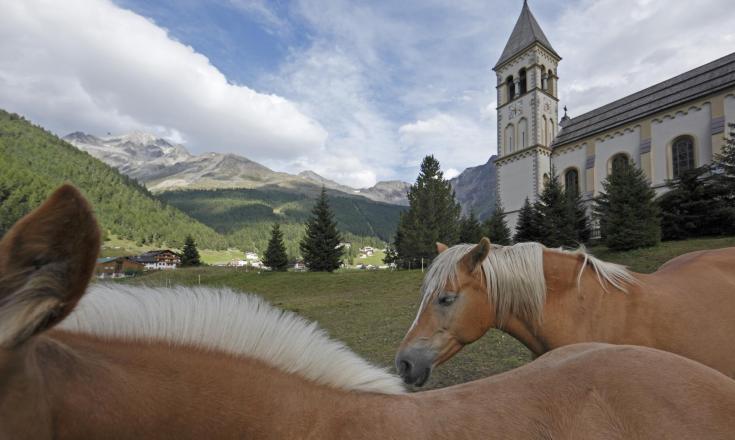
132,362
548,298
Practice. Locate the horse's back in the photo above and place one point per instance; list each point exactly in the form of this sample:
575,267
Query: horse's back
697,401
709,259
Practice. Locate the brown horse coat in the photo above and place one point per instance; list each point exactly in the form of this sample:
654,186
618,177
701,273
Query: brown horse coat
550,298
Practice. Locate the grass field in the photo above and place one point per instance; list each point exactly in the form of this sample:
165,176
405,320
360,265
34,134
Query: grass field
371,311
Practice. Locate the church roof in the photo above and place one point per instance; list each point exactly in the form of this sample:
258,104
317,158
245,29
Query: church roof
525,33
696,83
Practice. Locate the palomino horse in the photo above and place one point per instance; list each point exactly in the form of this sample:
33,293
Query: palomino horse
548,298
131,362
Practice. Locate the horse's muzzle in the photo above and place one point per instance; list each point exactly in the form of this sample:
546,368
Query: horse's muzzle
414,365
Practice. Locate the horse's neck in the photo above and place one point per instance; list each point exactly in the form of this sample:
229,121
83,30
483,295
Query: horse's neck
99,388
577,309
96,388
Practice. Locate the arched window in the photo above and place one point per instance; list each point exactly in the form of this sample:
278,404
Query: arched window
511,85
522,133
543,129
619,161
550,82
510,138
522,80
571,182
682,155
544,77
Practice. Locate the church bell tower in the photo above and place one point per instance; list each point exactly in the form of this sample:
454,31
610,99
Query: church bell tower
527,113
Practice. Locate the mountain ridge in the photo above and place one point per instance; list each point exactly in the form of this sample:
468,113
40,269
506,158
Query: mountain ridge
164,166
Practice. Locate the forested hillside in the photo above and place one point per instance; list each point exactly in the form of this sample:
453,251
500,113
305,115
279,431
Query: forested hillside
246,215
33,162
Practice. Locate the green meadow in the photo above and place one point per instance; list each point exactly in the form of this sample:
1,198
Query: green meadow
371,310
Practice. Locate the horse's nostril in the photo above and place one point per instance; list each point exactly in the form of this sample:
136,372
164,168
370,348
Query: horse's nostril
404,367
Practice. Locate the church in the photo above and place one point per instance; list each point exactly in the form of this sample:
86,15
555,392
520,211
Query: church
665,129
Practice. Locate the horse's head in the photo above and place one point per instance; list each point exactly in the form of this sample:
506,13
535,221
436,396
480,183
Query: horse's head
455,310
46,261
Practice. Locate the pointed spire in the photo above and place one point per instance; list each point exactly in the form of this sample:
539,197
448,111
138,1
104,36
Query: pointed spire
525,33
564,119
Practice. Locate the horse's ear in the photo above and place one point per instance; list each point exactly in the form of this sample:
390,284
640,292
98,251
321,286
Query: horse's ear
477,255
441,247
46,261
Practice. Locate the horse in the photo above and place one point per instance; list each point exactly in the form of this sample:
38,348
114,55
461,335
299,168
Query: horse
549,298
119,362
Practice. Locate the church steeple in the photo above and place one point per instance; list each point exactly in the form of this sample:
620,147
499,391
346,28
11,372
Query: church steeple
525,33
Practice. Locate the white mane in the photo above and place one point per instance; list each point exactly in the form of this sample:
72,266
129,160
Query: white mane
514,277
236,323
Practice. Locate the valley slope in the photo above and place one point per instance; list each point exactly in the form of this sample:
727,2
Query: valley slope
33,162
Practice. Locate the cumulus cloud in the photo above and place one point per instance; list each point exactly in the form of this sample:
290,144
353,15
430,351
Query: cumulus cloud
455,141
366,88
90,65
612,51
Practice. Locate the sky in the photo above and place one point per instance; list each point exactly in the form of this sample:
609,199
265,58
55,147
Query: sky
357,91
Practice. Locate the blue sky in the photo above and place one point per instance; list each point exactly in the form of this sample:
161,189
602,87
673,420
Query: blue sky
357,91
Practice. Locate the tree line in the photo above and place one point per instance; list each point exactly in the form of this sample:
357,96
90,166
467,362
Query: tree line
629,215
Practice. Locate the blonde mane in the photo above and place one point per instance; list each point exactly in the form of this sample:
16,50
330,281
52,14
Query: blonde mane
514,276
224,320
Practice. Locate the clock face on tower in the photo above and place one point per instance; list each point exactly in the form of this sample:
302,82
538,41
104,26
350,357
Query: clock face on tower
515,110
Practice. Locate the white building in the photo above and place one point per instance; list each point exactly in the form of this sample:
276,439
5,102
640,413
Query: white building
665,129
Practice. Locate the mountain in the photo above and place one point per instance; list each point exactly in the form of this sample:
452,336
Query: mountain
390,191
240,198
475,187
33,162
164,166
161,165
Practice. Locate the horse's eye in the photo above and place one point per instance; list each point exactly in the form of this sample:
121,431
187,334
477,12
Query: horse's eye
447,300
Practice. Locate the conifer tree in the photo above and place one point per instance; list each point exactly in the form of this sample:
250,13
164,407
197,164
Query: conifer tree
470,230
582,227
724,166
628,216
695,206
320,246
190,254
528,227
390,256
432,217
495,228
557,214
275,255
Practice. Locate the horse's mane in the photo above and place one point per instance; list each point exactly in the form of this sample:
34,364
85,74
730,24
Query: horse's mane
515,277
236,323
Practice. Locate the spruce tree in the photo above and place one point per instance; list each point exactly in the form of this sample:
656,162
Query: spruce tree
695,206
724,167
320,246
495,228
470,230
390,256
275,255
582,227
190,254
432,217
628,216
557,214
528,227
